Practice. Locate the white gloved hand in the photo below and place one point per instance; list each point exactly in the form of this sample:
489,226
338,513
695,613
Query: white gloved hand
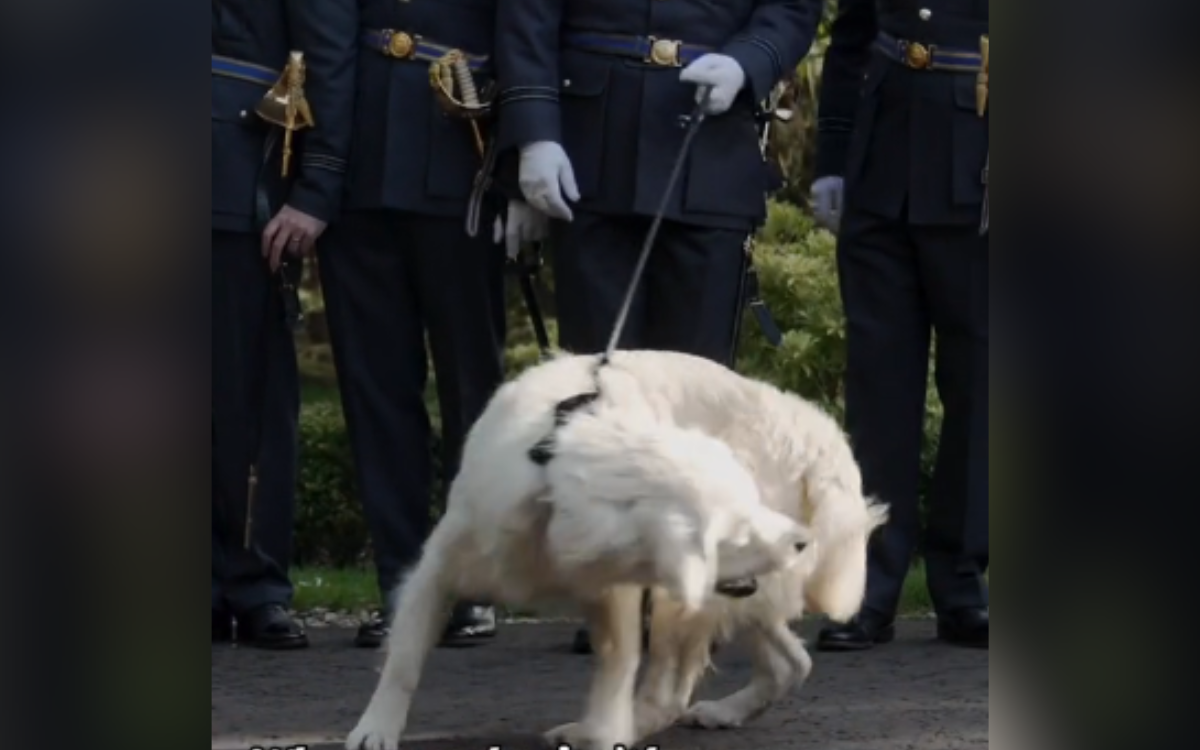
520,224
722,73
545,177
827,201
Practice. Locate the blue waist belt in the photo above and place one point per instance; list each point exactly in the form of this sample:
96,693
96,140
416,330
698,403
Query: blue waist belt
404,46
230,68
670,53
929,56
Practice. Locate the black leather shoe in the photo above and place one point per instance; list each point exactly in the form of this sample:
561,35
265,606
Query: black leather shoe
271,627
964,627
222,626
374,632
865,631
582,642
469,625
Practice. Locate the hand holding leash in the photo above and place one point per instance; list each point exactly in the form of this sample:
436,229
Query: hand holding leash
719,79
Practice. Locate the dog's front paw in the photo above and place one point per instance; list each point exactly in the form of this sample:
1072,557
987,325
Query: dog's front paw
711,715
650,718
576,736
375,733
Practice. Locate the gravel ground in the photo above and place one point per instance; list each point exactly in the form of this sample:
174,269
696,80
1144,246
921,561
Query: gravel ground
915,693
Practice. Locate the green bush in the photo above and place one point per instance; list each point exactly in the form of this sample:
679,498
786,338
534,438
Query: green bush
330,528
798,277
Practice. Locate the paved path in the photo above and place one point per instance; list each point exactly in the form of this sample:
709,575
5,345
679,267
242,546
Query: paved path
915,693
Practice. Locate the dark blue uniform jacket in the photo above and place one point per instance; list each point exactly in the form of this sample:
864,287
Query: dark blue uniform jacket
617,117
408,154
908,141
262,33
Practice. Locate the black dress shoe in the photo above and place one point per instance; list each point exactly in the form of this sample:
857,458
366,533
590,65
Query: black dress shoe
581,643
469,624
865,631
222,626
374,632
964,627
270,627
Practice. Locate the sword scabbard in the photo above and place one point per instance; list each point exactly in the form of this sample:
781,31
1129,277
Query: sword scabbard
252,492
985,213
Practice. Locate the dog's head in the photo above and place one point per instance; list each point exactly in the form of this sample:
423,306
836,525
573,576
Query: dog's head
838,582
759,543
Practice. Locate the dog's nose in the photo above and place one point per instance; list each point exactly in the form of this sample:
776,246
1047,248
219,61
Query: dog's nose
801,546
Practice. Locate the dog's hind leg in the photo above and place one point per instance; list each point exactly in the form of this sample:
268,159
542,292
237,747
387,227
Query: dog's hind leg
780,661
679,655
615,622
421,613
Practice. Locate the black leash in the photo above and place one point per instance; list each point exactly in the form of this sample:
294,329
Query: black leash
693,122
543,450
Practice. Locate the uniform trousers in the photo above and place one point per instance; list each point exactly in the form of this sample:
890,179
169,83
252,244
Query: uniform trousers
391,279
247,338
688,299
902,287
278,460
279,449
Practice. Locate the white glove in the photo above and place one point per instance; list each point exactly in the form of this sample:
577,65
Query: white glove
545,177
827,201
722,73
521,224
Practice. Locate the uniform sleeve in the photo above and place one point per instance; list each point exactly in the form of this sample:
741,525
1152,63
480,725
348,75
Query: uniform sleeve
779,35
326,32
854,29
526,51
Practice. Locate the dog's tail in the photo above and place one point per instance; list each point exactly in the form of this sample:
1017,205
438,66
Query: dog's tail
842,521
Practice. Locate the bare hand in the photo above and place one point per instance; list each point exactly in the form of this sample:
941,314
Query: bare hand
290,230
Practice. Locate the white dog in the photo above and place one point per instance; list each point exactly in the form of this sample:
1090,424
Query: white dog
676,474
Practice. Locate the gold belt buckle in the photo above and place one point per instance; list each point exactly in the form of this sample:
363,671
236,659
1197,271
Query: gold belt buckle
664,52
400,45
917,55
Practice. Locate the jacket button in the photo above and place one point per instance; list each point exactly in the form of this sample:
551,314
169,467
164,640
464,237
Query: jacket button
924,13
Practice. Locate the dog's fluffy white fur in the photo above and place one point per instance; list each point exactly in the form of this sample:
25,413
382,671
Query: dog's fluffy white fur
679,475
